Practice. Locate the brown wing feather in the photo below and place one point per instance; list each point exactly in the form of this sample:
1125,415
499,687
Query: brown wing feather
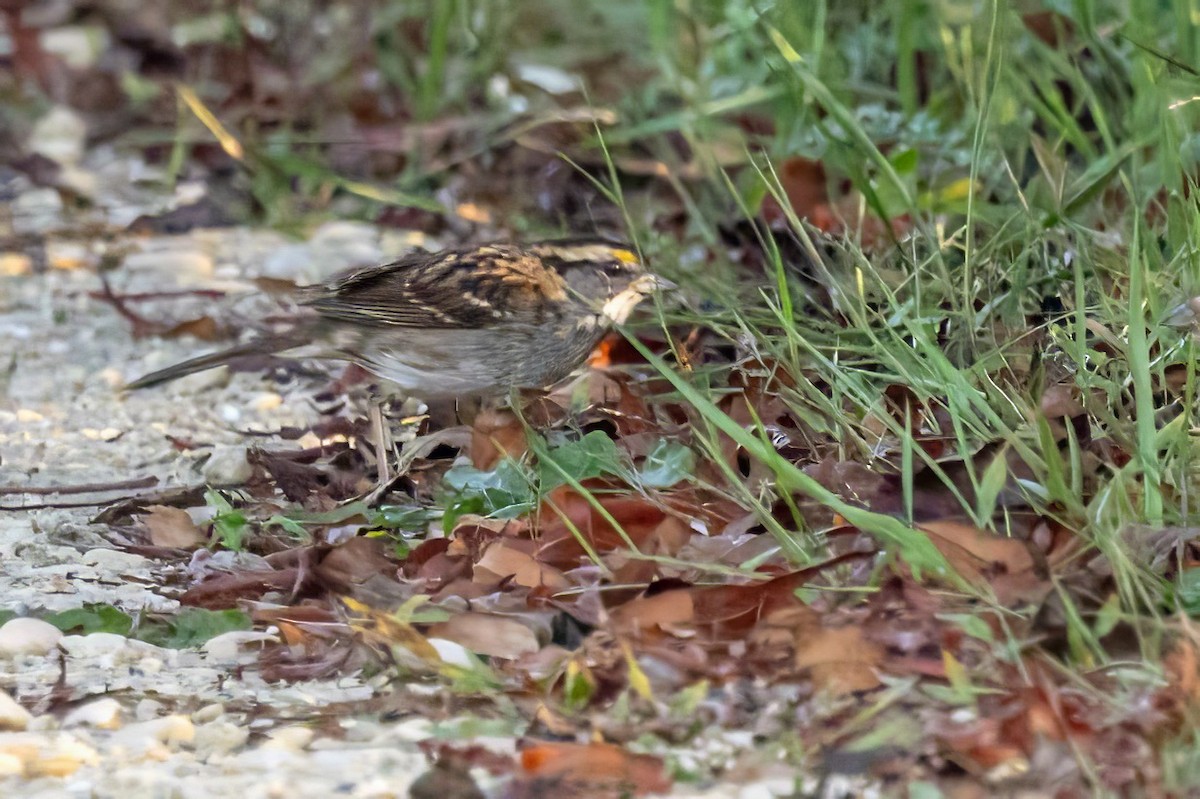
463,288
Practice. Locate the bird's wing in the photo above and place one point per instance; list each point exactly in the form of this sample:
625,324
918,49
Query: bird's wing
466,288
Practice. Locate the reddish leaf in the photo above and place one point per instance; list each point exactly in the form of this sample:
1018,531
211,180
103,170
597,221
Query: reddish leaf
566,514
1006,565
840,660
589,770
496,435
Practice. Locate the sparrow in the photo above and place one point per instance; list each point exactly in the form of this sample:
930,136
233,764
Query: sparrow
467,321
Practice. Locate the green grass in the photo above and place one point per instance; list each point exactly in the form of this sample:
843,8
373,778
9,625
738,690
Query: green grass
1077,159
1022,169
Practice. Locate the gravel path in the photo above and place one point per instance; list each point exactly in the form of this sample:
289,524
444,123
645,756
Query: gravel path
131,719
104,716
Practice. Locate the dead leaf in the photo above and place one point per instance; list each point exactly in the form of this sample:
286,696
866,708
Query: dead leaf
172,527
496,435
591,770
488,634
204,328
840,660
648,615
1006,565
504,559
404,641
227,590
356,561
566,514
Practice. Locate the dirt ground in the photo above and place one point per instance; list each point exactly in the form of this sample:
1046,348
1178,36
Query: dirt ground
100,715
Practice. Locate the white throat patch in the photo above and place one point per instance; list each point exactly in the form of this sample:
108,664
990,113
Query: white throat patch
618,308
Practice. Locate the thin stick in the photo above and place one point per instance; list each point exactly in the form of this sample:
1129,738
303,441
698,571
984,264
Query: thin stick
81,488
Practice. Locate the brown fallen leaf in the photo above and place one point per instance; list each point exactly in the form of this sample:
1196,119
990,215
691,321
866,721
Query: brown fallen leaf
172,527
487,634
588,770
227,590
505,558
566,516
840,660
1006,565
355,562
652,615
718,613
496,435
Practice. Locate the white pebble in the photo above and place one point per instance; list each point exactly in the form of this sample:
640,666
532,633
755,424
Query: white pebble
28,637
209,713
12,715
102,714
59,136
219,737
289,738
227,466
114,560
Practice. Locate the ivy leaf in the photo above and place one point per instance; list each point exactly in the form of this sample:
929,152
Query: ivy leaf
503,493
193,626
228,523
593,455
667,464
92,618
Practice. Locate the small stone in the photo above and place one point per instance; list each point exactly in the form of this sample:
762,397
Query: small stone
309,440
227,466
202,381
294,262
113,560
107,647
28,637
37,211
15,264
267,401
228,647
28,416
209,713
11,765
219,738
148,709
169,731
68,255
12,715
185,267
78,46
59,135
102,714
151,665
43,755
292,739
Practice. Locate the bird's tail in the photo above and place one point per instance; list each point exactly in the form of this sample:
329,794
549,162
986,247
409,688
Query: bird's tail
261,346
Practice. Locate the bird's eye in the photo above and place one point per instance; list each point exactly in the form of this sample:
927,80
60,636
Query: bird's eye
614,268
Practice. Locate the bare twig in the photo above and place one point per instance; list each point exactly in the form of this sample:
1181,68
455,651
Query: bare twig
81,488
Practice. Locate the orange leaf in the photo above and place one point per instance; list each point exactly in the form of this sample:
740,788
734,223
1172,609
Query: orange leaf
496,435
595,766
986,559
840,659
